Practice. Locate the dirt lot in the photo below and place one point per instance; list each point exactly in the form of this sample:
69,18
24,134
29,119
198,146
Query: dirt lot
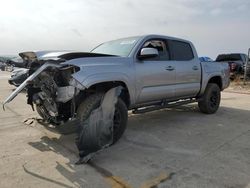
169,148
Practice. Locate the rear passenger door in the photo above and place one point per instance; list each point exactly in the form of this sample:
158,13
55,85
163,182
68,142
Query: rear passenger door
188,70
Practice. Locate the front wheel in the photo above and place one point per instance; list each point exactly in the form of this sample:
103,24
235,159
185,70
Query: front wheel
120,120
120,116
211,99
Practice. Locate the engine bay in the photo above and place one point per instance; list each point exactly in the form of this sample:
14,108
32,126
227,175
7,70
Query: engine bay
53,94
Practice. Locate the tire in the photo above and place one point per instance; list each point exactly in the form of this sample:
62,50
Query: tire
120,118
211,99
42,112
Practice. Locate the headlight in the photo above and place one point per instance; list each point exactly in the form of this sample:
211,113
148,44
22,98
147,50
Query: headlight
75,83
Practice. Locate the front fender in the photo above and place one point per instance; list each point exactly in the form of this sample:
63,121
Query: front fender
108,77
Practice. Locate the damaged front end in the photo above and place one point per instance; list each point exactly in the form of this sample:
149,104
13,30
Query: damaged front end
98,115
52,89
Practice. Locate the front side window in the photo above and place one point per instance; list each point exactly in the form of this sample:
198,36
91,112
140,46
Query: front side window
120,47
180,51
162,48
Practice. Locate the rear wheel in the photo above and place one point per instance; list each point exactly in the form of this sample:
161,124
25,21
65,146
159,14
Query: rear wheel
211,99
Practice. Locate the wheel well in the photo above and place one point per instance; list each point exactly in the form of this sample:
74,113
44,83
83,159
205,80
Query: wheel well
216,80
105,86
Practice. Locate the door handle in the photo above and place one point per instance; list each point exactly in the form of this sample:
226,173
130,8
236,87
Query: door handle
195,68
170,68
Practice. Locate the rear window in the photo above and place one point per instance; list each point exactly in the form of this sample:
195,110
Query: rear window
229,57
180,51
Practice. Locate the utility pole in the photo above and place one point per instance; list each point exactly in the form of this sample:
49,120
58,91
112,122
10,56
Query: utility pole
246,67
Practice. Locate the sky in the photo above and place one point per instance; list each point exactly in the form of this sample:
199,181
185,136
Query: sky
214,26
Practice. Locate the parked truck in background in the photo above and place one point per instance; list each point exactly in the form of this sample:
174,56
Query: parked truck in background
236,61
154,71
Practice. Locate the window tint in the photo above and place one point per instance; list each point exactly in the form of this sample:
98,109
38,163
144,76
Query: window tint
180,51
162,48
229,57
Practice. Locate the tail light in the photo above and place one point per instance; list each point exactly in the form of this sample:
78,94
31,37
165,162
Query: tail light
232,66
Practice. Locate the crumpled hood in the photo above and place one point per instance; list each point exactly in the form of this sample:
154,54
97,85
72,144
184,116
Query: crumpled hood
98,61
57,55
36,55
28,56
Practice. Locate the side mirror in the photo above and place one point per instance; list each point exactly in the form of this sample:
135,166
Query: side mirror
148,53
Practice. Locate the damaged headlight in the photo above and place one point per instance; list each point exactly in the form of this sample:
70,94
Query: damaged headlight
73,82
64,94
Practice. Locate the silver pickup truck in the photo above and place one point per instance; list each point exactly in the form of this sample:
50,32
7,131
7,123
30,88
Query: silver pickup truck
154,72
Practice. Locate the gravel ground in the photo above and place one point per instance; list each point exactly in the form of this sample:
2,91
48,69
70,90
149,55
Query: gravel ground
178,147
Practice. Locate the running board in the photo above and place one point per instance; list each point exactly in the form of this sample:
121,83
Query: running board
164,105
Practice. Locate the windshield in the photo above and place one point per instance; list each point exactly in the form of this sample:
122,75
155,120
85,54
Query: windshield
120,47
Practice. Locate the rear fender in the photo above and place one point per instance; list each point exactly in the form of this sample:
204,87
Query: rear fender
206,80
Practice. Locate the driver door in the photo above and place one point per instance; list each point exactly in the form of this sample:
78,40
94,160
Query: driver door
155,76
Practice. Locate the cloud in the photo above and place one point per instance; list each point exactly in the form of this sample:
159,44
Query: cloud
82,24
76,32
215,12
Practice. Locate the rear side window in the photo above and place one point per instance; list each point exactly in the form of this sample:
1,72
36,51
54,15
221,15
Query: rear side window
180,51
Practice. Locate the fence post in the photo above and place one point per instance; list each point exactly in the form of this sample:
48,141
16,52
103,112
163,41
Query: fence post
246,67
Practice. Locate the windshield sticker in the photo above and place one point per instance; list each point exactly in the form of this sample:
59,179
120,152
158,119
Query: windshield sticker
128,42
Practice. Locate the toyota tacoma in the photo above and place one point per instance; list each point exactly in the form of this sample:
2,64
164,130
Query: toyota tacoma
153,71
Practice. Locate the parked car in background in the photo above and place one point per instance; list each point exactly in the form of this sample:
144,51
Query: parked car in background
2,66
16,62
18,76
3,63
205,59
236,61
5,58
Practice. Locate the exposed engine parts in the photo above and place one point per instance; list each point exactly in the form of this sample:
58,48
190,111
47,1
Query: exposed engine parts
53,92
46,97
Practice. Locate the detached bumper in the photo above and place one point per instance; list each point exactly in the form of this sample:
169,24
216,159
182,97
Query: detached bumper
29,79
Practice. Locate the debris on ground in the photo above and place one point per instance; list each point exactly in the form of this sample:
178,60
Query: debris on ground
30,121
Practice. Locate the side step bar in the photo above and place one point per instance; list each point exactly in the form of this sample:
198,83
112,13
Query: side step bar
163,105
